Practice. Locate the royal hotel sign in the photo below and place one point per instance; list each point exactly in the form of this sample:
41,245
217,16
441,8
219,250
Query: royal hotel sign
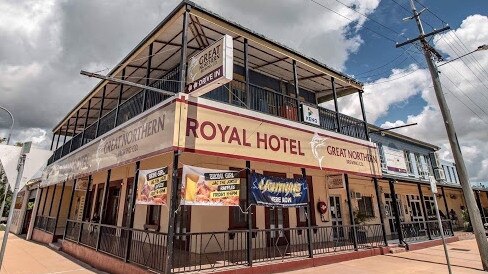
197,125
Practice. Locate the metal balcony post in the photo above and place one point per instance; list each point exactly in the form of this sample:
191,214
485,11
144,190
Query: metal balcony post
380,209
424,212
85,123
148,75
84,207
363,111
69,207
480,207
297,90
103,208
100,112
336,106
184,45
351,213
172,213
119,99
249,215
308,213
59,209
246,73
45,201
74,130
52,201
395,210
131,209
57,141
52,141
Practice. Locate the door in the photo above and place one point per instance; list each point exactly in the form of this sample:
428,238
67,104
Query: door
27,219
277,218
113,200
183,221
390,214
336,216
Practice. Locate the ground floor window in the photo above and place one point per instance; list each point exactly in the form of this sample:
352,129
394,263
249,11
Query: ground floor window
365,205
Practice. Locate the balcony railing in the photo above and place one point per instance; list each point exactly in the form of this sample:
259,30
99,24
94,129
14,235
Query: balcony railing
261,99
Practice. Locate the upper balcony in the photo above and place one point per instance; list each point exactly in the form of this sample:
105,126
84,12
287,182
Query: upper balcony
268,78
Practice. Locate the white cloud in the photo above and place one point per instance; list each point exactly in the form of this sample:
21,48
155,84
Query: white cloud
464,92
45,43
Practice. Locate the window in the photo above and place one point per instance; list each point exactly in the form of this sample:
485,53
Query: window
429,164
447,172
454,175
153,216
382,153
419,164
365,205
237,219
408,162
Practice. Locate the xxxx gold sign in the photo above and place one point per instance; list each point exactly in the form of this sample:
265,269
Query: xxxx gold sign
218,130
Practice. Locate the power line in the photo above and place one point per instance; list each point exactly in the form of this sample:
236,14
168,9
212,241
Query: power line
341,15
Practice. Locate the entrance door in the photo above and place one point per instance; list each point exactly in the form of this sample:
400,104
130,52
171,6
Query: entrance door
416,208
183,222
27,219
430,207
113,200
336,216
390,214
277,218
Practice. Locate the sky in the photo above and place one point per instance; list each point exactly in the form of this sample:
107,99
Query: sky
45,43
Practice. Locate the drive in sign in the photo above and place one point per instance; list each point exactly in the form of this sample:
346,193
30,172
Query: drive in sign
211,68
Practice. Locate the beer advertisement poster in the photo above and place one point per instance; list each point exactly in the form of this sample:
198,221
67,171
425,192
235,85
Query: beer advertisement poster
209,187
152,187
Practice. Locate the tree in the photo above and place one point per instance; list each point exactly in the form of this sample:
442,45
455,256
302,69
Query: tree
4,186
3,140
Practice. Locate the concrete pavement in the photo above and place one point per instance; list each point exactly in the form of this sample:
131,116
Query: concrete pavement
464,258
31,258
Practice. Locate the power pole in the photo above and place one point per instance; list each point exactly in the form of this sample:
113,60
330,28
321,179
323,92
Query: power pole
474,213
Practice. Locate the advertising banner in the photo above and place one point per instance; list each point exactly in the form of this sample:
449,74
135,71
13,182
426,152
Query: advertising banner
395,160
209,187
211,68
214,130
149,133
152,187
277,191
335,181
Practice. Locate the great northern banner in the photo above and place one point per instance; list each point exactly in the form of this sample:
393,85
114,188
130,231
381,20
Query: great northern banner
277,191
218,129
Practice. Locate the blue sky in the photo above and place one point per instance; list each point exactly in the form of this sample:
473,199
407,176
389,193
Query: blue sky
380,55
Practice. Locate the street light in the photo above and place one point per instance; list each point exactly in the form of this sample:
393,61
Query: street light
11,126
480,48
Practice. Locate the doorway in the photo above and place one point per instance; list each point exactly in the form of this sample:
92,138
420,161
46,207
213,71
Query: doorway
336,216
113,200
277,218
389,212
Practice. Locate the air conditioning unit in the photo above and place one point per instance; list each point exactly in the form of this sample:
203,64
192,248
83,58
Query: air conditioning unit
434,157
439,175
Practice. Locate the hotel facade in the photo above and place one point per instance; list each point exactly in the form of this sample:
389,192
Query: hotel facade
180,166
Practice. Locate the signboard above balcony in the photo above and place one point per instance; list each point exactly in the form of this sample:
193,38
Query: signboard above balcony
395,160
211,68
311,115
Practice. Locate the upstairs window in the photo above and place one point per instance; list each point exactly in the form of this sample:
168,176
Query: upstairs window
408,161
